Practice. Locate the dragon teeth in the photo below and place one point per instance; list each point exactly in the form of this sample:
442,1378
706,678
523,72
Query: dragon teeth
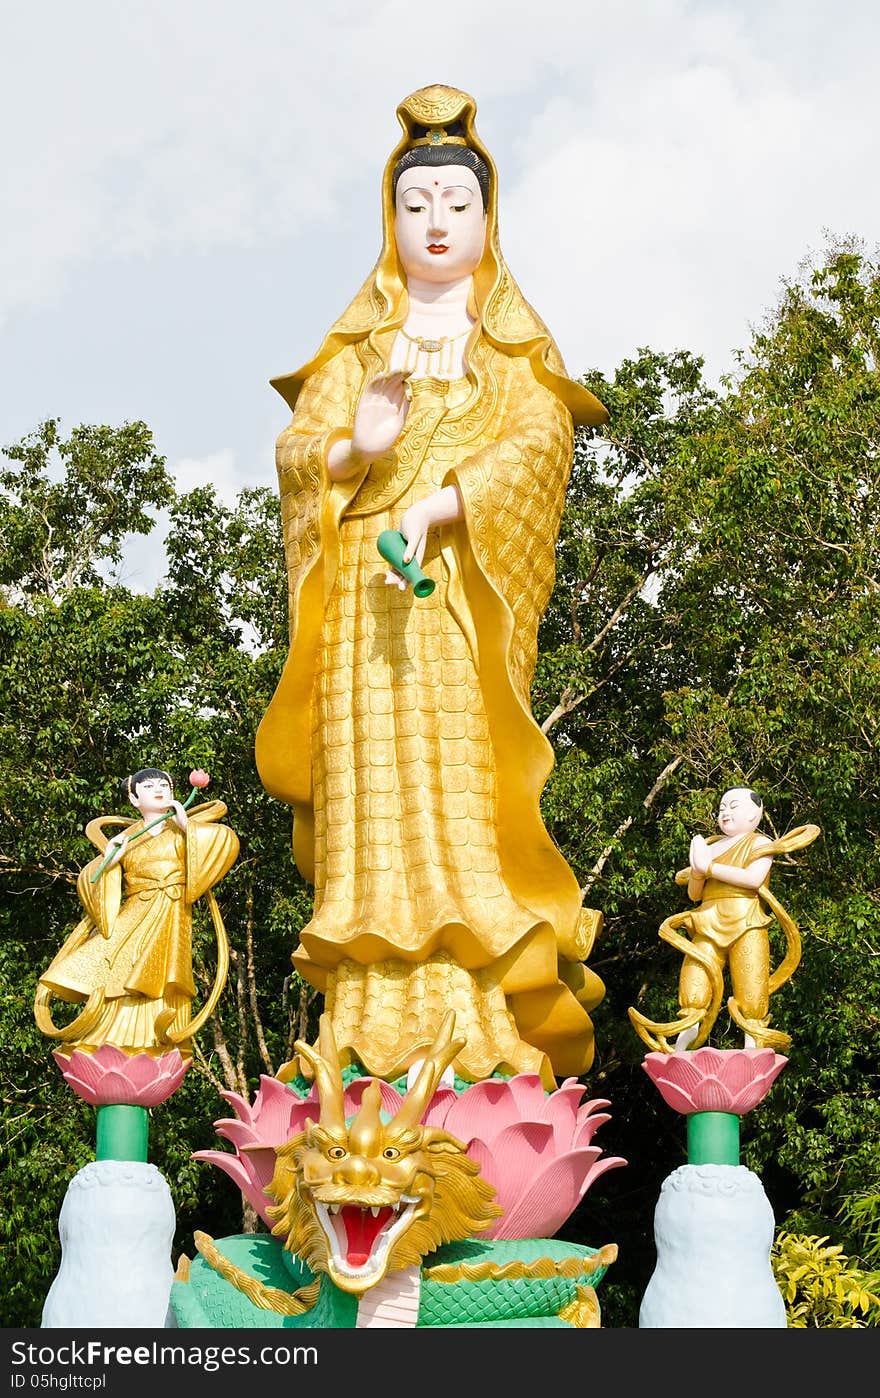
374,1210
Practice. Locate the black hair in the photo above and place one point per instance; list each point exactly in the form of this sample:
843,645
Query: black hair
757,800
444,155
129,785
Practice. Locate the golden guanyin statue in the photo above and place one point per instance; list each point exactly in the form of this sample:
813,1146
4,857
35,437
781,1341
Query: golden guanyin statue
401,731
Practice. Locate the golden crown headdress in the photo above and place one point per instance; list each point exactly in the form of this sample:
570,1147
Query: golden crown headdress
438,136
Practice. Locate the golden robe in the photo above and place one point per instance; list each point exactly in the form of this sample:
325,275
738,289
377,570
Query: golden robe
729,927
726,912
135,940
401,730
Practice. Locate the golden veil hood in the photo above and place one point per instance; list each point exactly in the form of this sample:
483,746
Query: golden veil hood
505,317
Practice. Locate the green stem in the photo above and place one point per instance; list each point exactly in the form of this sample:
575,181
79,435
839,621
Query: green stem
713,1138
158,821
121,1133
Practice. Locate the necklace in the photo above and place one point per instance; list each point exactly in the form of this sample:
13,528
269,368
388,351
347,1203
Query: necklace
441,346
427,345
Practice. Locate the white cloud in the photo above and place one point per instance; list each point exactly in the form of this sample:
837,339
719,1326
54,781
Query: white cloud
676,200
218,469
161,126
663,164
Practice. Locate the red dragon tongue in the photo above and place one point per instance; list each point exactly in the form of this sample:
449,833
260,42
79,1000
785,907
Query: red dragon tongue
361,1231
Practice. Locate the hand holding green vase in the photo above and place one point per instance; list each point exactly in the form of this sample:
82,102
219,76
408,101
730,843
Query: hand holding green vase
392,545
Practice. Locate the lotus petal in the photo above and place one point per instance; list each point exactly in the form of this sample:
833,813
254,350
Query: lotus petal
241,1105
547,1201
491,1100
561,1108
529,1095
274,1107
714,1080
240,1133
439,1106
110,1077
587,1108
259,1163
607,1162
587,1126
516,1153
251,1179
232,1165
391,1098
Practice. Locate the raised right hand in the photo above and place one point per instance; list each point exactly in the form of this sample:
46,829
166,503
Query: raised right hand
380,414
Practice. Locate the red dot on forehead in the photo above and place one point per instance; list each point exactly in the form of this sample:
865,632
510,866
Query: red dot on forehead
436,182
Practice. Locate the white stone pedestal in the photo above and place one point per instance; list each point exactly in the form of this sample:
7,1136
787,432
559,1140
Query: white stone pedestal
713,1228
116,1227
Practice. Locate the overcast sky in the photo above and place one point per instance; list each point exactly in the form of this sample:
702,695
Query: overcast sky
191,187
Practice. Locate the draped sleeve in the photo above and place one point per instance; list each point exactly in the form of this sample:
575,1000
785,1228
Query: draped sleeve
513,490
211,849
311,506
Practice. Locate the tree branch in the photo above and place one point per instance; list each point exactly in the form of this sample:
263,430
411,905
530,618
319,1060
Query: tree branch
204,1066
298,1023
668,770
252,982
620,609
570,699
222,1051
241,1006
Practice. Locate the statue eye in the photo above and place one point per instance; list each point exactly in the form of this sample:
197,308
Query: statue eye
337,1153
414,208
391,1153
460,208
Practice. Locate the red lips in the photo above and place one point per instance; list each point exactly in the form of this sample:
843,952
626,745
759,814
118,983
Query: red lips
437,247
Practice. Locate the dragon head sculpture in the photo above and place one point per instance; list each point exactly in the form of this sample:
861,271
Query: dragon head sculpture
360,1199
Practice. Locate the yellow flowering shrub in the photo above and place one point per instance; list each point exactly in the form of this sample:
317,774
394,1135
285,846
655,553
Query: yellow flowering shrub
822,1288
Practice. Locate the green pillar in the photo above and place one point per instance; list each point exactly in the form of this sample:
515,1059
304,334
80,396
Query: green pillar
121,1133
713,1138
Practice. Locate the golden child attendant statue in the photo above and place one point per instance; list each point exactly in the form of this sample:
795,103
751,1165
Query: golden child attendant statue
728,880
401,731
129,959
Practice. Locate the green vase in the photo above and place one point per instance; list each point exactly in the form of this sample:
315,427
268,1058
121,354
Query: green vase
392,546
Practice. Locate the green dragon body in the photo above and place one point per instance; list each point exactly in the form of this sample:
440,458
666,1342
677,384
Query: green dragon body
527,1282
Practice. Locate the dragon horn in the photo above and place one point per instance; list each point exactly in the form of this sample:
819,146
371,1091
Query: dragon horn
439,1056
367,1124
324,1062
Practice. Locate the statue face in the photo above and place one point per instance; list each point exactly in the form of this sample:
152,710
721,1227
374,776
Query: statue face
152,796
439,224
737,812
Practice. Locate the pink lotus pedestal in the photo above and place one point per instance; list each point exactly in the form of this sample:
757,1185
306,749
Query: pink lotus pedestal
122,1087
714,1088
117,1219
713,1224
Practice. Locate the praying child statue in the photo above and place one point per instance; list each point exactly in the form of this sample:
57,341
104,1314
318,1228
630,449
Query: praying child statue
728,880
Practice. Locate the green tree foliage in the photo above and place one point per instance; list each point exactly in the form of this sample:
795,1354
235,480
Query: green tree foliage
714,622
97,681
